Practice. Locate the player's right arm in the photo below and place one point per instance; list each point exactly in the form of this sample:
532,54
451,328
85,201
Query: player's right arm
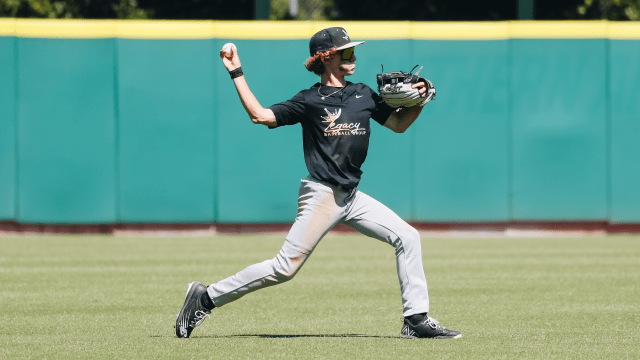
256,112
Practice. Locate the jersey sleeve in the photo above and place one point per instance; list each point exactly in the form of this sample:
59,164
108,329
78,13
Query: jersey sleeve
382,111
289,112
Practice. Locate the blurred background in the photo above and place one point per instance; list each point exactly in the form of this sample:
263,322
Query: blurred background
137,122
415,10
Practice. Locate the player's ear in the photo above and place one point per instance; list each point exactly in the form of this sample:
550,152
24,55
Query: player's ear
325,59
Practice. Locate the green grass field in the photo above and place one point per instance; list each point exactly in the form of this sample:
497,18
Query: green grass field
104,297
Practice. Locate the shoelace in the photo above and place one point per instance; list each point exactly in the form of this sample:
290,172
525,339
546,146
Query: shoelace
433,323
200,316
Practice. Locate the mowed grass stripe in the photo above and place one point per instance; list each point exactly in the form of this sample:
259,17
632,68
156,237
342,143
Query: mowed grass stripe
106,297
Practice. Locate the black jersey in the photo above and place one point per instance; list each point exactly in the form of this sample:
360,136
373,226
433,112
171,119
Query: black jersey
335,130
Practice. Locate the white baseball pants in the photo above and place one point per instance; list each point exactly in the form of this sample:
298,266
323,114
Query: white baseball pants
321,206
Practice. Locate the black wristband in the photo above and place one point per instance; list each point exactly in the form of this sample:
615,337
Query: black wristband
236,73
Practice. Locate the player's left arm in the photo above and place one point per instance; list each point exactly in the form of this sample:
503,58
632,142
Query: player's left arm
400,120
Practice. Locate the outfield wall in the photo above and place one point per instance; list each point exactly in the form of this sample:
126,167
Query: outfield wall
138,122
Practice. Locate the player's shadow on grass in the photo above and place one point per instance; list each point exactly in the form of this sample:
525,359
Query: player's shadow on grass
278,336
284,336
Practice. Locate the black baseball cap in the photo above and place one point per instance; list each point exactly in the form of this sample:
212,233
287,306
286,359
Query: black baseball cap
331,37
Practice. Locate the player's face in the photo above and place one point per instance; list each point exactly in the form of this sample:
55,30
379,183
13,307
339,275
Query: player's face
346,61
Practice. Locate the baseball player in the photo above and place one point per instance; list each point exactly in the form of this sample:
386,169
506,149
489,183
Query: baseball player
335,118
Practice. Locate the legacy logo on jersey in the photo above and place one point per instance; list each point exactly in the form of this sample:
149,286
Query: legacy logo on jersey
334,129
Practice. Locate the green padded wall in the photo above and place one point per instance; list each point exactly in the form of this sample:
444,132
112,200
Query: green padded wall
625,130
167,141
66,135
260,168
559,129
124,130
461,138
7,129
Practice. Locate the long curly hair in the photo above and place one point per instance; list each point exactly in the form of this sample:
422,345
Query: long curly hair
314,63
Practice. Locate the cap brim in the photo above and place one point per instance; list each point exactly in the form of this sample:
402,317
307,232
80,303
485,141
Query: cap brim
351,44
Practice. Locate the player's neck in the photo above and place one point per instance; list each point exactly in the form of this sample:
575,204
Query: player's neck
335,80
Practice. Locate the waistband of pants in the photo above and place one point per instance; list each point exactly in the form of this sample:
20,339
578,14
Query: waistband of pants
332,184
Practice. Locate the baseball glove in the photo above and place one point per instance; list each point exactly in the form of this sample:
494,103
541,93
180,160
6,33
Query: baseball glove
395,89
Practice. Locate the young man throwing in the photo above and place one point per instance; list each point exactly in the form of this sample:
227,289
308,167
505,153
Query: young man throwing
335,116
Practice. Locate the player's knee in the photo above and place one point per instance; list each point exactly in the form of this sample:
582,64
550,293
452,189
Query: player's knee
287,268
286,274
411,240
414,235
409,233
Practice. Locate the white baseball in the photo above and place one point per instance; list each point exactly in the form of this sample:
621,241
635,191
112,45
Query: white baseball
227,48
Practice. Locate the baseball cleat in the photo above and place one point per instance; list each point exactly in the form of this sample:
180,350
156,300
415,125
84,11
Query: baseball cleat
427,328
193,311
